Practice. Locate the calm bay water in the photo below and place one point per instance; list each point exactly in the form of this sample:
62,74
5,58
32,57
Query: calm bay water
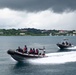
58,63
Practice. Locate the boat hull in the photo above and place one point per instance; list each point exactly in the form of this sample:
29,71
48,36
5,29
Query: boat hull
63,46
18,56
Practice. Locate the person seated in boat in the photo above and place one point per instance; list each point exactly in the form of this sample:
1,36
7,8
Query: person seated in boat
43,52
37,51
31,51
66,43
63,43
69,44
25,49
19,49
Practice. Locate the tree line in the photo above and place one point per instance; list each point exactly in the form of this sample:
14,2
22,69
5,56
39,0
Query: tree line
32,32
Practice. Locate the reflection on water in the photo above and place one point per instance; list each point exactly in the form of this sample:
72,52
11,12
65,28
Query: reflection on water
20,64
20,68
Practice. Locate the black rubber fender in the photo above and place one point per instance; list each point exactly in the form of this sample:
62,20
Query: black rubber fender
11,52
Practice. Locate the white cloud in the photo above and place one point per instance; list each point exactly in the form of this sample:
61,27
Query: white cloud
41,20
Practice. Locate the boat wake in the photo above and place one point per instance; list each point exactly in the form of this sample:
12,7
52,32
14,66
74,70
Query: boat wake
72,48
56,58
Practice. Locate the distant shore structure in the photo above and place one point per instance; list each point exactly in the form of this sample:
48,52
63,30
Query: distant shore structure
36,32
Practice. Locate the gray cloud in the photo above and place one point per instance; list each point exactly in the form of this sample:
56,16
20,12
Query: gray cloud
38,5
41,20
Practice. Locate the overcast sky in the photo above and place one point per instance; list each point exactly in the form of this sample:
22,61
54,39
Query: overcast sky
40,14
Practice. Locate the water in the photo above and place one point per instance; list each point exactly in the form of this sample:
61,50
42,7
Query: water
57,63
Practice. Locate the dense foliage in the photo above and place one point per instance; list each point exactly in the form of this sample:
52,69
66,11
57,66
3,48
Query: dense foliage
33,32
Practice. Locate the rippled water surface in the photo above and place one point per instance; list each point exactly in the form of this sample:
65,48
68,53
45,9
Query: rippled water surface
57,63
